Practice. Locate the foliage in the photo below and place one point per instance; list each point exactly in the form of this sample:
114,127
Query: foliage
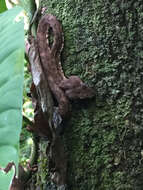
104,137
25,146
11,88
29,7
2,6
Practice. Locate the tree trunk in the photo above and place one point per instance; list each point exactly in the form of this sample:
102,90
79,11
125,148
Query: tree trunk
103,46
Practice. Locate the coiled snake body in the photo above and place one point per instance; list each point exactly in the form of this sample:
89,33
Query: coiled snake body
62,88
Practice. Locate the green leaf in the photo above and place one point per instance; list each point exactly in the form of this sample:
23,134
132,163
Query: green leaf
11,89
29,7
2,6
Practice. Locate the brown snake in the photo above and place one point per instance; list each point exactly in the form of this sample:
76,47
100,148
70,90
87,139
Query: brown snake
50,58
62,88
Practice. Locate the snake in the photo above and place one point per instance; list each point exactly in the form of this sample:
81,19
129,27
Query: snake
50,41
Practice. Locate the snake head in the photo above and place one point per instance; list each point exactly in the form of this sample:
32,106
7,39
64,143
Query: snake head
74,88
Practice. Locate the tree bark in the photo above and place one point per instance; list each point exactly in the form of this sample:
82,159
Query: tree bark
103,46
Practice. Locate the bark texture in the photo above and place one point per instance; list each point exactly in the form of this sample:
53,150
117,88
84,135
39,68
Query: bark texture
104,137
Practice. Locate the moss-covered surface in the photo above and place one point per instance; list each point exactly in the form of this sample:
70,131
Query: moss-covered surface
103,45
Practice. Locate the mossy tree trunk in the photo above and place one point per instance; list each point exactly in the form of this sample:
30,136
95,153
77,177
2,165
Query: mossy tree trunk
104,137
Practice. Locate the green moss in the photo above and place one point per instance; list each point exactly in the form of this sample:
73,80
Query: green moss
104,137
98,146
42,175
